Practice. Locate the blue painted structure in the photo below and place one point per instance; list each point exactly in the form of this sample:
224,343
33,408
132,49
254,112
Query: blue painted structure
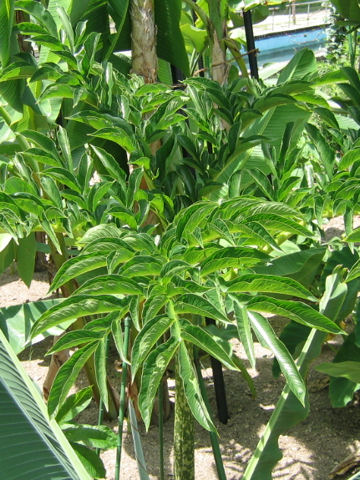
280,47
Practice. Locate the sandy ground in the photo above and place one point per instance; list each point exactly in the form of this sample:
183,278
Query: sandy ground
311,450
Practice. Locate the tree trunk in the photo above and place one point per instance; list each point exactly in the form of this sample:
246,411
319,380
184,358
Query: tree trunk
183,433
143,36
219,68
217,31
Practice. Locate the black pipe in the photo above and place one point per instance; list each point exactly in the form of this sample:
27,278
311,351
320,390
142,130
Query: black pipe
250,44
219,386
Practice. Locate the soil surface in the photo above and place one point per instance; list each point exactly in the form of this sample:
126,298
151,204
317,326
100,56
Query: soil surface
311,450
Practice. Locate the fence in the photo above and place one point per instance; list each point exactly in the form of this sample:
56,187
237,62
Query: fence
294,15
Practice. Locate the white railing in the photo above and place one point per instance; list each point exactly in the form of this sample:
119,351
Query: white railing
296,14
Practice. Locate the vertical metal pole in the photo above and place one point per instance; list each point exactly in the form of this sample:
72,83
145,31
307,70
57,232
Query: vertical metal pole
250,44
293,8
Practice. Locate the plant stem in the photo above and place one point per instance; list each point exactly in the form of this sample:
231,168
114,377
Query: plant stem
161,429
183,433
122,399
213,436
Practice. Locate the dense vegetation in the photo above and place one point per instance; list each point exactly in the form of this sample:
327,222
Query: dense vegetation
180,204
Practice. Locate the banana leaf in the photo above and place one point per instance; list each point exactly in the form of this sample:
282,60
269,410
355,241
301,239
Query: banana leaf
30,443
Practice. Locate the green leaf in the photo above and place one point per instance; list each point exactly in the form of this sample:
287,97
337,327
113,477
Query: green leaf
100,359
300,66
24,421
117,135
293,336
110,164
16,71
40,156
67,376
354,236
66,25
16,322
153,371
341,390
139,454
75,307
192,390
51,190
63,176
90,460
297,311
25,258
95,436
65,148
232,257
42,141
349,158
7,254
6,28
174,267
197,305
289,411
74,339
202,339
192,216
244,331
349,370
170,42
254,282
152,306
302,266
118,339
277,222
349,10
266,336
74,404
38,11
77,266
146,339
142,265
133,185
110,285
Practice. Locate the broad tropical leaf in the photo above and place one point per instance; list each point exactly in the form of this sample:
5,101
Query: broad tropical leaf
24,421
16,322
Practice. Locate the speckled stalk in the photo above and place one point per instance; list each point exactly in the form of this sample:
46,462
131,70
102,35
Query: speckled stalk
183,433
143,36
